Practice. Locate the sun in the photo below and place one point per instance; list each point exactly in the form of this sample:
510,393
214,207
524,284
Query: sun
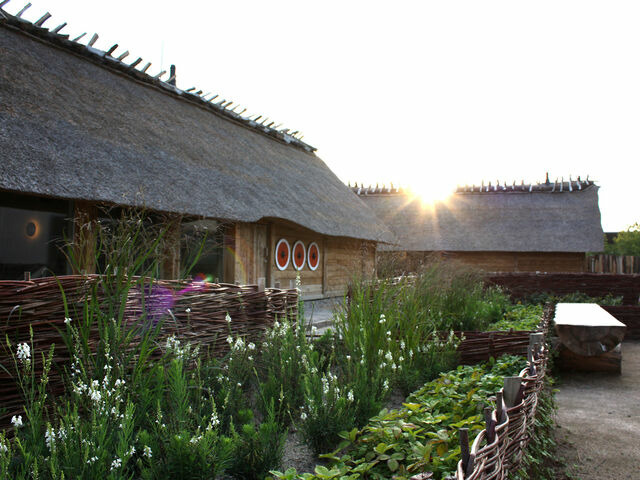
431,193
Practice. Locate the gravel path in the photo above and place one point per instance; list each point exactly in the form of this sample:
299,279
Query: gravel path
599,421
298,455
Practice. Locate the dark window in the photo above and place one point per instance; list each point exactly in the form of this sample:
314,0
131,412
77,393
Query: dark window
32,233
206,237
117,224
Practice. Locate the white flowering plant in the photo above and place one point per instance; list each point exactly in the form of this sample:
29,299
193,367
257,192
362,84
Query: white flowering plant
329,409
285,354
6,455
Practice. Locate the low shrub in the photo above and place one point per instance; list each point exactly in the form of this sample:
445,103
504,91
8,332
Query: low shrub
257,448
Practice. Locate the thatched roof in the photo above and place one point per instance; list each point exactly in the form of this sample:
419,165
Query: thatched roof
77,123
526,219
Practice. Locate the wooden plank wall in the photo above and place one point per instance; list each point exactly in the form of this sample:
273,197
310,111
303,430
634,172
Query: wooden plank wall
252,256
522,261
604,263
312,281
170,261
348,258
491,261
246,253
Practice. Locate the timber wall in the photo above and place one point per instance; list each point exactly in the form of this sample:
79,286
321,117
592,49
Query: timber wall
489,261
521,261
250,255
348,258
604,263
312,280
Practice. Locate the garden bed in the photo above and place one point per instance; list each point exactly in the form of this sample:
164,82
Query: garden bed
140,405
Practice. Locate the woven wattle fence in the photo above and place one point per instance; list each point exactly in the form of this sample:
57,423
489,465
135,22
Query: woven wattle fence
193,311
477,347
499,448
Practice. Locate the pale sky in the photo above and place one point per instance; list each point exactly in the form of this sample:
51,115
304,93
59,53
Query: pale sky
424,94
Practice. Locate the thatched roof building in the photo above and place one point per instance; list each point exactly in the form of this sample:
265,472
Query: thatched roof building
80,124
555,220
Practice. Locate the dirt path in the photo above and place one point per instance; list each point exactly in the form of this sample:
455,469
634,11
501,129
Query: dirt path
599,420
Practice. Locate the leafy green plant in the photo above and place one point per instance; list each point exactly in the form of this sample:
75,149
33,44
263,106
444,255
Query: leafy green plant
520,317
540,460
422,435
437,354
542,298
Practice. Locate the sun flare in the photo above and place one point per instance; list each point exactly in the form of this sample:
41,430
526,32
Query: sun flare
432,193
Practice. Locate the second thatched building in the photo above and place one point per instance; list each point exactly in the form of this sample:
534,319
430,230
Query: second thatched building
546,227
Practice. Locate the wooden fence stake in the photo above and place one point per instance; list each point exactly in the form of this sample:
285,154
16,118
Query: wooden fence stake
261,282
530,360
490,425
499,407
536,338
511,390
535,341
467,458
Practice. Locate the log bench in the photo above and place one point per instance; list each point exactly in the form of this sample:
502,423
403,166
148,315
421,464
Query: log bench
589,337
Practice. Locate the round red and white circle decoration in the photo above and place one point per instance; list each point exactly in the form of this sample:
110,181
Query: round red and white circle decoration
313,256
299,256
283,254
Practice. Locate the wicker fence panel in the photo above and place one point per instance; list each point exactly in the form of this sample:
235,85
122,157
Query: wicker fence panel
479,347
630,316
523,284
198,314
499,448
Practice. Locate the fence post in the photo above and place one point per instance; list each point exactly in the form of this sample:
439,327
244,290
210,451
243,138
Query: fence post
535,340
467,457
511,390
490,425
499,409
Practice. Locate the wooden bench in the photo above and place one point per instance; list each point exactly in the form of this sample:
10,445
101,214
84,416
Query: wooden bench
590,337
